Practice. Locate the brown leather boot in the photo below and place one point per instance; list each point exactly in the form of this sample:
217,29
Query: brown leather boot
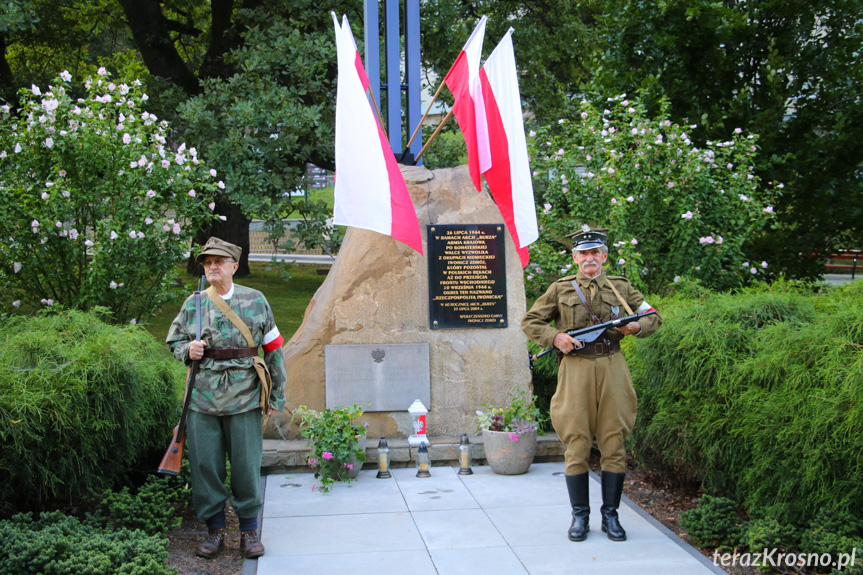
214,543
250,544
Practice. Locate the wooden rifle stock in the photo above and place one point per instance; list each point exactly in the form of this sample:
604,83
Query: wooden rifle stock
173,458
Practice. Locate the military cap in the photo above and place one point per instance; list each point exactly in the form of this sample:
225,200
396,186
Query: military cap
217,247
588,238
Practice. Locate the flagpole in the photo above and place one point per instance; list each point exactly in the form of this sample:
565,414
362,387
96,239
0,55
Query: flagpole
416,131
375,104
434,134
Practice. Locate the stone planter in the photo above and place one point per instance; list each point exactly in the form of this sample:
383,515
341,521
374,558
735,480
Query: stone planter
508,457
345,473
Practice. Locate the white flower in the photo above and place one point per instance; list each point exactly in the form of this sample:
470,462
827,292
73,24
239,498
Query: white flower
730,166
140,235
221,185
58,224
764,265
114,235
176,229
584,114
532,134
738,131
179,158
88,243
676,279
151,193
101,71
16,303
213,172
630,199
73,234
635,131
192,193
35,89
720,240
754,271
16,266
148,221
49,142
223,218
166,164
112,285
780,186
744,198
621,261
45,195
49,302
702,240
34,223
142,161
132,234
589,157
166,228
768,210
610,170
17,147
613,200
65,75
546,208
212,206
745,264
634,242
133,321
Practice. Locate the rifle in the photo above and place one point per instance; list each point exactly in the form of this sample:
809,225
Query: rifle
173,457
592,333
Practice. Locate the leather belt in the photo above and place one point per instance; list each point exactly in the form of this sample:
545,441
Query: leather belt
230,352
597,348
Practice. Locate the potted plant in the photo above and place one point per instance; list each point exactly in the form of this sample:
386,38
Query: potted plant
509,434
336,441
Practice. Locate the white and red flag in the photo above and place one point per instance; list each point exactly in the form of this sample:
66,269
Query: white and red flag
508,178
370,191
469,107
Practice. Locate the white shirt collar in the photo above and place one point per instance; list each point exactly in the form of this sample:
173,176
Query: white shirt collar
230,292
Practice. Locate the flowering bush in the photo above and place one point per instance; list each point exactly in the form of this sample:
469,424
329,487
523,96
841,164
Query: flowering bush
672,209
336,440
95,208
520,416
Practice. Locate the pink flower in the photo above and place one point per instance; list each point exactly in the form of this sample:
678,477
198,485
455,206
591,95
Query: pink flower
166,228
223,218
101,71
65,75
166,164
221,185
148,221
513,436
670,184
349,465
754,271
720,240
212,206
560,152
49,302
546,208
192,193
630,199
764,265
768,210
176,229
127,139
49,142
621,261
151,193
44,195
88,243
613,200
327,455
132,234
112,285
634,242
687,216
16,303
213,172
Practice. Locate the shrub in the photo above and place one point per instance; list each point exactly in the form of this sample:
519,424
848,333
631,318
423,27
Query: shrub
757,396
151,509
834,533
95,208
80,402
672,209
713,523
56,544
336,440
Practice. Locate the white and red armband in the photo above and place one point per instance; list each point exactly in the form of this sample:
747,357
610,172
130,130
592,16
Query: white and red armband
273,340
644,308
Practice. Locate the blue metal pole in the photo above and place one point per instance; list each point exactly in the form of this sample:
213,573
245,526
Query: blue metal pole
373,54
394,84
412,71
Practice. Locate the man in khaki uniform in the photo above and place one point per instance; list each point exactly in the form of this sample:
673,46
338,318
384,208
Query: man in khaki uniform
594,397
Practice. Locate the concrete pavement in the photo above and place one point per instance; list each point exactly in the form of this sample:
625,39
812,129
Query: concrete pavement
455,524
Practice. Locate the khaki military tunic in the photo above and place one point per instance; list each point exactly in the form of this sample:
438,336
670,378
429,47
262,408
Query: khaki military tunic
594,397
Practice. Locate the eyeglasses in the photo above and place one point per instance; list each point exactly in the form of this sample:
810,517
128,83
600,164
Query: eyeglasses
218,262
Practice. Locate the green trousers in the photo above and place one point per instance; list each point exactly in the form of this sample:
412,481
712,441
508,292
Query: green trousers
594,398
209,439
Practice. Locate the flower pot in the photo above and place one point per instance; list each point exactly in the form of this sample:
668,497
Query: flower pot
345,473
506,456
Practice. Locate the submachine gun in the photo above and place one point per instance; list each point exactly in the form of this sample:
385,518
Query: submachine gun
173,457
592,333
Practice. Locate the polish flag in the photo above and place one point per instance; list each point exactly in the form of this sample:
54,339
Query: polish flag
469,107
370,191
509,177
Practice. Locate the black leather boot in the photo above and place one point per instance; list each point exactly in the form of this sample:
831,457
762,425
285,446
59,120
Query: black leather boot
579,498
612,488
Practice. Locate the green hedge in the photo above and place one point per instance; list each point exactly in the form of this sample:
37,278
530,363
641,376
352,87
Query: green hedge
758,395
80,402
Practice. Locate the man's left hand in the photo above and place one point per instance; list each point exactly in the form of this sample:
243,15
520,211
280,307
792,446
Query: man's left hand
272,412
630,328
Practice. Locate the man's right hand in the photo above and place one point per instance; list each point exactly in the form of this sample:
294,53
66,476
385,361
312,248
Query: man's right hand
566,343
196,349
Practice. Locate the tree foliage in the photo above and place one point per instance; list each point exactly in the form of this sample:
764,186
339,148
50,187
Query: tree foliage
95,210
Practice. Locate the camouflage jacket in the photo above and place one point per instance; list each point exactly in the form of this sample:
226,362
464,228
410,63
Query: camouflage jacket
560,304
230,386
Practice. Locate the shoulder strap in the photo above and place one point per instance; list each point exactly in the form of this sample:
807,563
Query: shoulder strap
580,293
622,301
231,315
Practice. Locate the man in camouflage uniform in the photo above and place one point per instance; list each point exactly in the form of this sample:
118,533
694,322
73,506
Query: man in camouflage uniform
594,397
225,415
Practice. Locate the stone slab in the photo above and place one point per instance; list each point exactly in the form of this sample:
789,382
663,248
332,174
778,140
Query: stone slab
377,377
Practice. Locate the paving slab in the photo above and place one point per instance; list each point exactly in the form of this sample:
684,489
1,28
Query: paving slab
450,524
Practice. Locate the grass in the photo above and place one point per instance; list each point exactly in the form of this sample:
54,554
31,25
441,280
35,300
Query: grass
287,298
326,195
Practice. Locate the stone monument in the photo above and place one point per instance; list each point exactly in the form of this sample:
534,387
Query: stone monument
377,293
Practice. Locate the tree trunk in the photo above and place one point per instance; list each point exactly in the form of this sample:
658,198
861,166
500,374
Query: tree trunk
234,230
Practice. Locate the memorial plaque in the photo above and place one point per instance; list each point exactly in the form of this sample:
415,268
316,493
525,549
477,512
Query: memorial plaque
387,376
467,276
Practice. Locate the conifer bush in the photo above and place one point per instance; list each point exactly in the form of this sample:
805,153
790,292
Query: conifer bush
80,402
756,395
